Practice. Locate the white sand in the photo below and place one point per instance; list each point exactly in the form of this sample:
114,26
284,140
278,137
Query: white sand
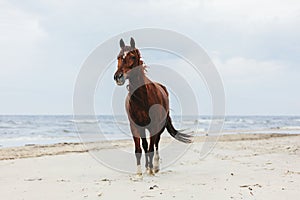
239,167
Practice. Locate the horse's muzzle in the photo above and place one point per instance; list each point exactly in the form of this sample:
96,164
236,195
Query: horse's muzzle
119,78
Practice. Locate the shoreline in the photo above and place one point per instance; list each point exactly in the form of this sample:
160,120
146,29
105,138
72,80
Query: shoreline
36,150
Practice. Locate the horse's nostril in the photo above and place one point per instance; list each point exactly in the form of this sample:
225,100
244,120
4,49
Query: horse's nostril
120,75
117,77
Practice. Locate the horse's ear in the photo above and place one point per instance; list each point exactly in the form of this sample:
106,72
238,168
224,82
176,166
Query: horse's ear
132,43
122,43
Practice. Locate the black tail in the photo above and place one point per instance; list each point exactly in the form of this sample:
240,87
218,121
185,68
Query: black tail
182,137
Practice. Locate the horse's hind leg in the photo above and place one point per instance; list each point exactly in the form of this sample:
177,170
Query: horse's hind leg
156,155
151,154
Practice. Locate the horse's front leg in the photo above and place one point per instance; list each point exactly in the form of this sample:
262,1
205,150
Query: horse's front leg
151,154
138,151
138,155
145,147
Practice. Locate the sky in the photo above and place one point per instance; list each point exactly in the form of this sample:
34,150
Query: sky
255,45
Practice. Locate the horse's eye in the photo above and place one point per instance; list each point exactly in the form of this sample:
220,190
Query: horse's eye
133,57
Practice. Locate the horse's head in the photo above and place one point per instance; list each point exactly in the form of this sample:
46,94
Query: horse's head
128,58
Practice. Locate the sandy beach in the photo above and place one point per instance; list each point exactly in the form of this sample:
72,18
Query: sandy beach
242,166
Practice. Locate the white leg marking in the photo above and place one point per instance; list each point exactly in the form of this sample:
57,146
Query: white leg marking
156,162
139,170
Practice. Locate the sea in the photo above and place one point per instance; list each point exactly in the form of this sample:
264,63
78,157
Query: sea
22,130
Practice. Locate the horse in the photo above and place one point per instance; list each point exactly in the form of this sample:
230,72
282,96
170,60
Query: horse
147,107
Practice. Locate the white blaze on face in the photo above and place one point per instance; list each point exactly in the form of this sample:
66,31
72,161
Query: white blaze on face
125,53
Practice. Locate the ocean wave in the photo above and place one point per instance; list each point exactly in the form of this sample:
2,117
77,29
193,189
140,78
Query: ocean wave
187,122
85,121
117,122
199,131
240,121
100,121
62,128
193,122
12,122
5,127
203,121
290,127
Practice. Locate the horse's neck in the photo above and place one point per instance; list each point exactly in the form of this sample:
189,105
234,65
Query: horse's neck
139,80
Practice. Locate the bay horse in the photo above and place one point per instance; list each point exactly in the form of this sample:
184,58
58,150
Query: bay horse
147,107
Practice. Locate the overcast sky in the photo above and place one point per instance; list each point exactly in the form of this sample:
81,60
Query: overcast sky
254,44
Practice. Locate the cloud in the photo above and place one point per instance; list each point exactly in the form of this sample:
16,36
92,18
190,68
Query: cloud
239,70
43,43
20,34
256,87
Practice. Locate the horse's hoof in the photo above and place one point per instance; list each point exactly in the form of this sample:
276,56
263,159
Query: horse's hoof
150,172
139,170
156,170
139,176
